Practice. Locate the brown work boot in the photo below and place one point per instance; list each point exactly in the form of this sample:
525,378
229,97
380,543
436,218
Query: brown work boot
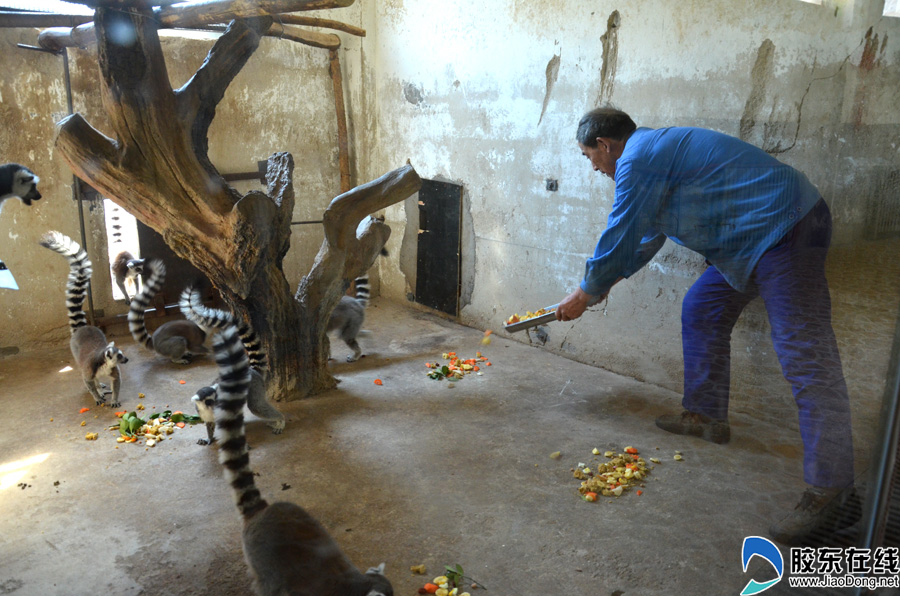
820,513
696,425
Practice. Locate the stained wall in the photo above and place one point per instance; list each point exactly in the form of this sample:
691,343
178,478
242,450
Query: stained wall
490,98
281,101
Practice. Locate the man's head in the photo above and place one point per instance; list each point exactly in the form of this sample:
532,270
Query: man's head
602,134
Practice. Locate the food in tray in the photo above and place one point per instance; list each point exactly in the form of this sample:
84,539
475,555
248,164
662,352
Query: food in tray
528,315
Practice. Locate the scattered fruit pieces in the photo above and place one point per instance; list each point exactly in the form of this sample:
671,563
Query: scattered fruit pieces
378,382
430,588
139,407
83,410
141,396
678,457
418,569
611,478
83,422
91,436
595,451
555,455
182,382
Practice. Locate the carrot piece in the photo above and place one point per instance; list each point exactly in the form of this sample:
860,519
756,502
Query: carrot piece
487,363
431,588
179,424
182,381
640,492
631,450
476,369
378,381
120,414
83,410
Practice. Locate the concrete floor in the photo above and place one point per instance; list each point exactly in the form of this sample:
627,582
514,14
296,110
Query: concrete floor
410,472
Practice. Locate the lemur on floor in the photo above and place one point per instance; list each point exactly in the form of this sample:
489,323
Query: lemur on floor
206,397
94,357
126,270
287,550
17,181
176,340
347,317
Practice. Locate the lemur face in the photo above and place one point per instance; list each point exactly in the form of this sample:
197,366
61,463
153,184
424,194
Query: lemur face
25,186
135,266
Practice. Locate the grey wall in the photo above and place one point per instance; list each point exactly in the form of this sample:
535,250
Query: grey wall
487,95
281,101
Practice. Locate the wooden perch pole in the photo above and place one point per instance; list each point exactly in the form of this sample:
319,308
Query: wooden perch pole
343,144
294,19
222,11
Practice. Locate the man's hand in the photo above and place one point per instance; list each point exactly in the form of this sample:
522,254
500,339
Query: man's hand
574,305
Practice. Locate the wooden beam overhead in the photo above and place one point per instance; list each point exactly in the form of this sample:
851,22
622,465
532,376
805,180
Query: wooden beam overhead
200,15
37,19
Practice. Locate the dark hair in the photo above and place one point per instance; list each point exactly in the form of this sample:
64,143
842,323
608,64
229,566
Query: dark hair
604,122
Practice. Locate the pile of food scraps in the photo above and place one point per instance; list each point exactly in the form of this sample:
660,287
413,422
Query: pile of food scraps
622,472
457,368
528,315
132,428
449,584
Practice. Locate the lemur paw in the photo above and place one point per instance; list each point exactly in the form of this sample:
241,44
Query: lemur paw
114,404
204,442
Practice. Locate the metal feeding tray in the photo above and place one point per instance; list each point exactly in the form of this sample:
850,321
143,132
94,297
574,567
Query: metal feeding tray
534,321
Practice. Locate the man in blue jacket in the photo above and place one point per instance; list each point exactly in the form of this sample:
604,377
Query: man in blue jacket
764,230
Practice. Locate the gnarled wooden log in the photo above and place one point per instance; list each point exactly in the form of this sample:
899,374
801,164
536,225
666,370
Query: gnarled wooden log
157,168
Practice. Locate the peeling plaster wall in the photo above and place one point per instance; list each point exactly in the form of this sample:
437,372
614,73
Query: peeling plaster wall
281,101
464,91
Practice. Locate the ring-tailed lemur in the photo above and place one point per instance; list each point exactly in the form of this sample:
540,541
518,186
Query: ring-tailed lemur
18,181
176,340
205,398
287,550
126,270
348,316
94,357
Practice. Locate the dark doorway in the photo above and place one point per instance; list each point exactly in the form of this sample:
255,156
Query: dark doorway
437,267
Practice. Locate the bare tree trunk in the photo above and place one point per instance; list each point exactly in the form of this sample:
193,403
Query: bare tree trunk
158,169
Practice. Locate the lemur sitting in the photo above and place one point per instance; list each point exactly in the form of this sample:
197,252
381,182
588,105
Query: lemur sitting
176,340
287,550
94,357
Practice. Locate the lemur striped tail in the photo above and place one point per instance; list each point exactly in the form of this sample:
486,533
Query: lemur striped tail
140,303
234,382
363,290
80,270
194,310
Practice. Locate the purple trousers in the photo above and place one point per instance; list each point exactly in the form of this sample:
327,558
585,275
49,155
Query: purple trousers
790,278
